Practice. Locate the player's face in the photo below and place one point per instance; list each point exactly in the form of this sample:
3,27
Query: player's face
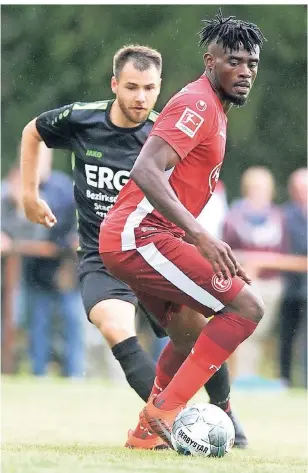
233,73
136,91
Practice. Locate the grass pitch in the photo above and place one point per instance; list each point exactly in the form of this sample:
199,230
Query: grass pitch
60,426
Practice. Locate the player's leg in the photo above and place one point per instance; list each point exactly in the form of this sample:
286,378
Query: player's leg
40,330
169,362
290,315
139,368
110,305
184,330
73,318
217,341
218,388
115,320
176,271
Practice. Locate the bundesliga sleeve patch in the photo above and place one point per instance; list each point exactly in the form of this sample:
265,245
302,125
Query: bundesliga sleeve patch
190,122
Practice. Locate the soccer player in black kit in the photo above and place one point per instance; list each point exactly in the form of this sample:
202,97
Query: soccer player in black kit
105,139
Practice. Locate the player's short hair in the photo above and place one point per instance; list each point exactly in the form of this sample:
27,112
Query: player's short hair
141,56
231,32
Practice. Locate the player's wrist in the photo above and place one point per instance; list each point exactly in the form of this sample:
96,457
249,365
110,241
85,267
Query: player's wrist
30,196
198,234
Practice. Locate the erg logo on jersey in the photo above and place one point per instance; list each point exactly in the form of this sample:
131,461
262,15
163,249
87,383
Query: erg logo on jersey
105,178
190,122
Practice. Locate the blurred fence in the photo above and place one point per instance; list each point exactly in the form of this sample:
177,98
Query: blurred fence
11,275
254,262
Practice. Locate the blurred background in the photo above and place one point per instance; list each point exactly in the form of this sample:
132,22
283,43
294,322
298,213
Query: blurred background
53,55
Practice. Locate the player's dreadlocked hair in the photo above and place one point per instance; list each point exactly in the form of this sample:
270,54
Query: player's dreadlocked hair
231,32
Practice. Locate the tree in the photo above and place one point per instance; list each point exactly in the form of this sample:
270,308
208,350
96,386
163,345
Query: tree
57,54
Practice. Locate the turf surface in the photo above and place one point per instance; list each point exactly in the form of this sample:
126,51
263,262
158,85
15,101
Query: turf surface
60,426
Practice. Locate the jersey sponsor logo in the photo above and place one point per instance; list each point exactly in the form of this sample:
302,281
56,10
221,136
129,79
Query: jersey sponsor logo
221,285
102,208
214,176
93,153
189,122
201,105
101,196
105,178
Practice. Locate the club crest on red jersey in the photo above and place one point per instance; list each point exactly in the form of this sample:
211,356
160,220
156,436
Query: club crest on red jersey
221,285
214,176
190,122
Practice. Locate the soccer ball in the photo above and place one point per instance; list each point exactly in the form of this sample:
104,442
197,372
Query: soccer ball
204,430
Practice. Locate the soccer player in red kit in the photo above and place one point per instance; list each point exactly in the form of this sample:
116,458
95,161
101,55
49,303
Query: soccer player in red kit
142,239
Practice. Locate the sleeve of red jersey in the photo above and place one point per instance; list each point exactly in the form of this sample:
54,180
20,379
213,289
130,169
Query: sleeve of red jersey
185,122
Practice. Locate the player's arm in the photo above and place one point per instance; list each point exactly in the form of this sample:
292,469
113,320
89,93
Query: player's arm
55,133
155,158
36,209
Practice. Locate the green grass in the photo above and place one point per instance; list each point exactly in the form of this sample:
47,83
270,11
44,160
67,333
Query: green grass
59,426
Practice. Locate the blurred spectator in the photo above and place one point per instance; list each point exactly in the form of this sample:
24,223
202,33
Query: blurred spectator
293,314
255,223
50,282
14,226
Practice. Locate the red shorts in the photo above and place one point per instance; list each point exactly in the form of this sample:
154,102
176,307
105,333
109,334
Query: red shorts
166,273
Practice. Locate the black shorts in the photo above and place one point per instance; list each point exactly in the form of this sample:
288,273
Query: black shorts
97,284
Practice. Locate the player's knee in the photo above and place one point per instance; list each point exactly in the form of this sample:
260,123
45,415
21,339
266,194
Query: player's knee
249,304
113,331
114,324
256,308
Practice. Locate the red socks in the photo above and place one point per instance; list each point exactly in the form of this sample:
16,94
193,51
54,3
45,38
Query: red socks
217,341
168,364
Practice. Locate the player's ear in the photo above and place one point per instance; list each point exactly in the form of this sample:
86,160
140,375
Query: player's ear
114,84
208,60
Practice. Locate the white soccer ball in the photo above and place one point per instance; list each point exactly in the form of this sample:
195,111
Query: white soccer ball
204,430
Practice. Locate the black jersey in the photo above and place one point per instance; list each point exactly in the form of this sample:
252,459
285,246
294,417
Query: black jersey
102,158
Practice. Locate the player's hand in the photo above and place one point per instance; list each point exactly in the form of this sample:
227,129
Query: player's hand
241,273
219,255
38,211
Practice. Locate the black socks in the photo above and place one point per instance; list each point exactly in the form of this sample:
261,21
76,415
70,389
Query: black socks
137,365
139,370
218,387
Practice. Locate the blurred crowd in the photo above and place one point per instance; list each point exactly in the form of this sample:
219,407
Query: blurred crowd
45,329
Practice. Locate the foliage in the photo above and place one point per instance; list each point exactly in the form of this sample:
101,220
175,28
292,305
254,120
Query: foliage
57,54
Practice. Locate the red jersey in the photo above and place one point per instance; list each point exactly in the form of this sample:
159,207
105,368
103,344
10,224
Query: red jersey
194,124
